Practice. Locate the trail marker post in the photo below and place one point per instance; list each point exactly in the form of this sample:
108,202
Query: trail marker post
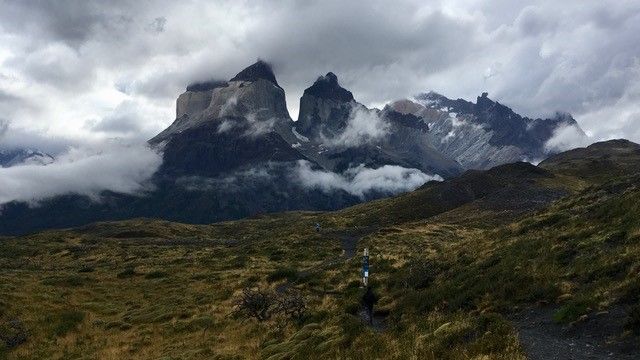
365,268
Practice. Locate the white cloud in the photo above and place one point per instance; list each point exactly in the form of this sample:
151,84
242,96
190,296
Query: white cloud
363,126
258,126
566,137
359,181
255,126
85,171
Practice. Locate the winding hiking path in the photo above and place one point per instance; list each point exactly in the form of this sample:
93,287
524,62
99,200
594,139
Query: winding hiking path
597,337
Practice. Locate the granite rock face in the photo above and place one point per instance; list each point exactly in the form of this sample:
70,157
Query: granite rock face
253,93
324,108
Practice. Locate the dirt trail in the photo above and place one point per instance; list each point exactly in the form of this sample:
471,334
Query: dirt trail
349,243
597,337
349,238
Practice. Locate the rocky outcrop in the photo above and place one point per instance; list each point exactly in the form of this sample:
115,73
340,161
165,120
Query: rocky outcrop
324,108
252,94
225,125
192,103
258,71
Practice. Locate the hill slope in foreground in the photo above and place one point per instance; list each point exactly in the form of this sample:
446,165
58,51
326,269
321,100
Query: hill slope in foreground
484,266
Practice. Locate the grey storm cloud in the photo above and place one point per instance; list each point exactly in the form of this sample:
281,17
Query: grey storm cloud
123,121
535,56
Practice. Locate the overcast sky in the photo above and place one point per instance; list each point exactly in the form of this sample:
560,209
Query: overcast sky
81,71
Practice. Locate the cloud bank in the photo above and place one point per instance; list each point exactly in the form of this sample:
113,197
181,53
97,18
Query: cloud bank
360,181
85,171
67,65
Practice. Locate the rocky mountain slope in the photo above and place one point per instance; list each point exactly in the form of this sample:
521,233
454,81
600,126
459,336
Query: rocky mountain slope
348,134
14,157
486,133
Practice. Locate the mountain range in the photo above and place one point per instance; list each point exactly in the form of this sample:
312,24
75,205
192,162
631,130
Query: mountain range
234,151
15,157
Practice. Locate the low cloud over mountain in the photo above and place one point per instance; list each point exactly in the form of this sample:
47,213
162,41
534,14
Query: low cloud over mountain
358,181
85,171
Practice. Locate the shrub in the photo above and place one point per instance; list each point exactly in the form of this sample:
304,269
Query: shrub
569,312
283,273
419,275
262,305
291,305
12,333
633,322
156,275
257,304
127,273
65,321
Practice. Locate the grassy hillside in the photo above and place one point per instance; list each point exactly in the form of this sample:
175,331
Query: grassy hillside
452,264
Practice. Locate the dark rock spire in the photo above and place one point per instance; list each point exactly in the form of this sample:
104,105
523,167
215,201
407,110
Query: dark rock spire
259,70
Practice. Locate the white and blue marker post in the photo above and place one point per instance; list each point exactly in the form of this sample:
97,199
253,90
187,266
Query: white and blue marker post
365,268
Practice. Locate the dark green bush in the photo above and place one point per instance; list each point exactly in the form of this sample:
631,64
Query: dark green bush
65,321
127,273
633,322
283,273
156,275
570,312
12,333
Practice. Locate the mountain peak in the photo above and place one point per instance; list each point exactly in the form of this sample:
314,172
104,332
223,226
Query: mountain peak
483,101
206,85
327,87
259,70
